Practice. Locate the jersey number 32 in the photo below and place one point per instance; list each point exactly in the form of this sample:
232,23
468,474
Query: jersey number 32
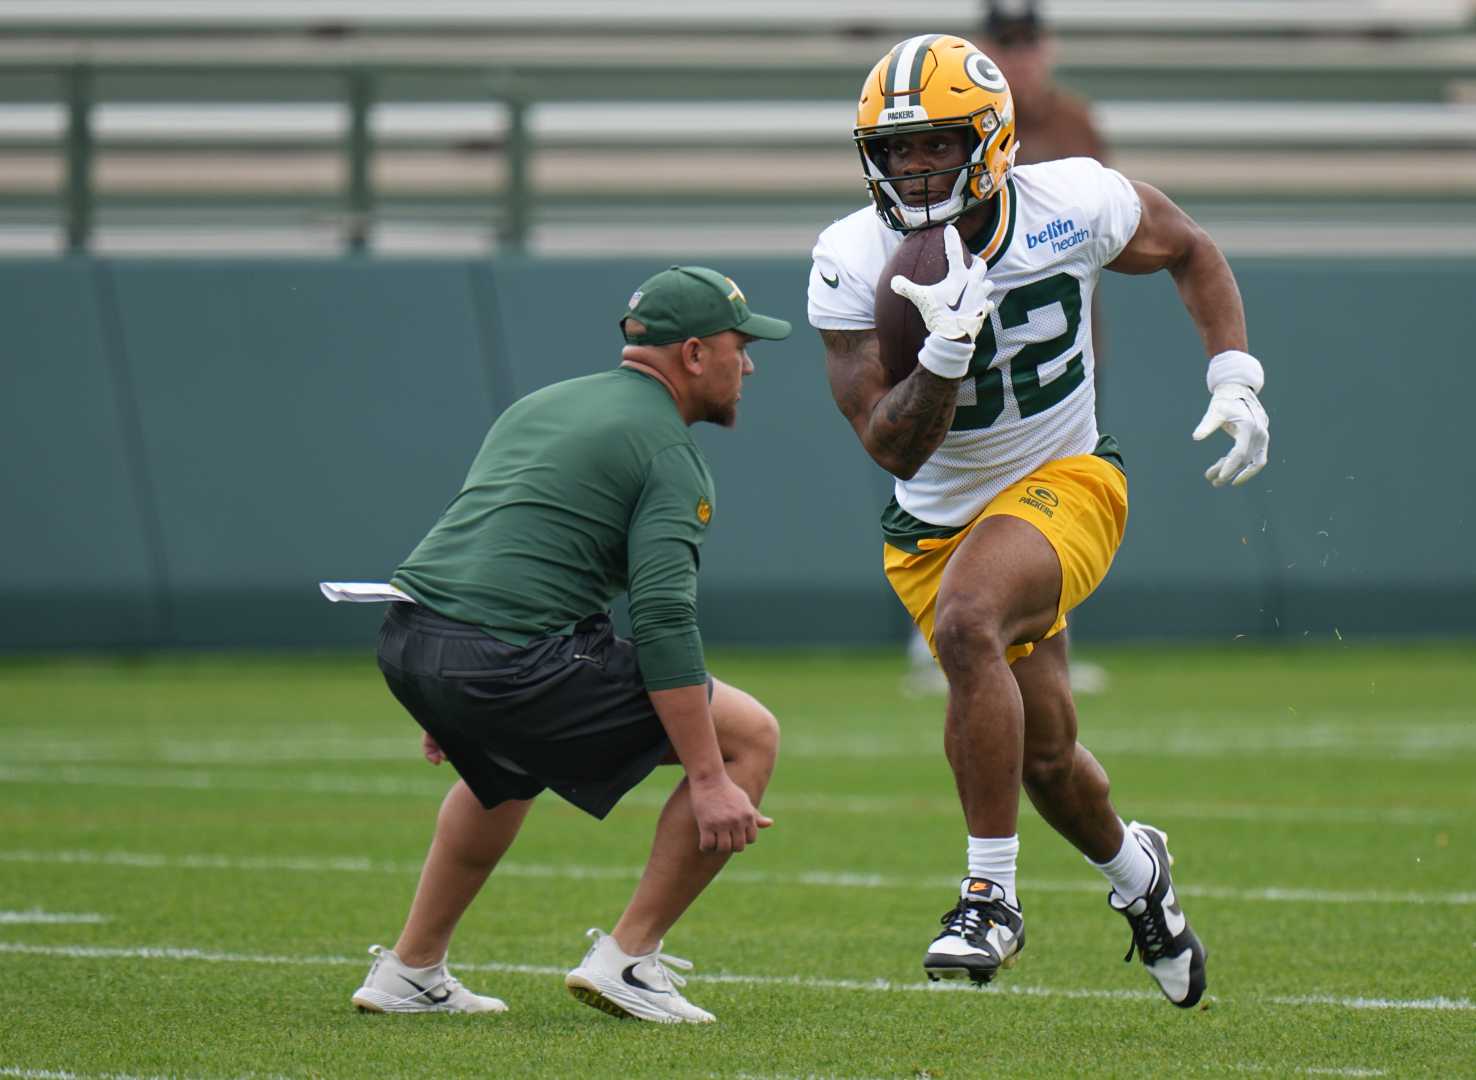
1030,393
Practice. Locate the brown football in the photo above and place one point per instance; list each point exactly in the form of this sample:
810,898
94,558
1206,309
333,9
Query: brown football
899,327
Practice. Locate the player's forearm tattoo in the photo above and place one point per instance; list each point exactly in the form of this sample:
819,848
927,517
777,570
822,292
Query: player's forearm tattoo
918,412
901,425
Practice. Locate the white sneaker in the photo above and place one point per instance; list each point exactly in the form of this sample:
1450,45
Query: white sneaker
633,987
390,986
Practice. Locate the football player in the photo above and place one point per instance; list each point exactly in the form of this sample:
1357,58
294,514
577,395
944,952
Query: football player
1008,504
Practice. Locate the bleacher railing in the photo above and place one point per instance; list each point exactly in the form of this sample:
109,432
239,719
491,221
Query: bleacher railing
1366,120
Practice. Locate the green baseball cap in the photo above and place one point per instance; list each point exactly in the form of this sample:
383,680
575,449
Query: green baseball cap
692,301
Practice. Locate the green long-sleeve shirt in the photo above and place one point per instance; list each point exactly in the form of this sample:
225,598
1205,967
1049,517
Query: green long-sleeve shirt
581,491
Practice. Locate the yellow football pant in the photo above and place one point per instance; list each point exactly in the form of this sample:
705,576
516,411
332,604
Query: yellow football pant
1078,503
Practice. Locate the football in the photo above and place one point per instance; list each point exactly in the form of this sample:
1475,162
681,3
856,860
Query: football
899,327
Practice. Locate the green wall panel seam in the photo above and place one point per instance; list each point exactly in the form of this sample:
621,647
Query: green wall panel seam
1274,617
487,319
130,423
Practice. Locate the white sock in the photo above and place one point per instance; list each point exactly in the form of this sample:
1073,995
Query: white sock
421,970
993,857
1130,870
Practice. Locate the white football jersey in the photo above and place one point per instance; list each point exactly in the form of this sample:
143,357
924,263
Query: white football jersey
1029,397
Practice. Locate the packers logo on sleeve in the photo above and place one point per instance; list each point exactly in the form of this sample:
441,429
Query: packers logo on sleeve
704,511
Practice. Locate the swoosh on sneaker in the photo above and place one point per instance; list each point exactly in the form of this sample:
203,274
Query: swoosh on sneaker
632,979
1173,915
445,997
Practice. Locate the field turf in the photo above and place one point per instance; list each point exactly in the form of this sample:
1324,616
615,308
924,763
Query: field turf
195,853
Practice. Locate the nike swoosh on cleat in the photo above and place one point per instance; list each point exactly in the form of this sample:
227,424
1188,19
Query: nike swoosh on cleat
445,997
833,282
1172,913
631,979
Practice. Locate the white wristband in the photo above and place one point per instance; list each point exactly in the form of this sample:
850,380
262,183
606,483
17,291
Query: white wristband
1234,366
946,358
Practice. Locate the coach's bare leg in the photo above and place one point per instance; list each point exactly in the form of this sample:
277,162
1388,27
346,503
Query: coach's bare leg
468,843
1002,587
1067,785
677,872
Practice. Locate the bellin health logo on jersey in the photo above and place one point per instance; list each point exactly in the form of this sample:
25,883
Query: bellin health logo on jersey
1061,234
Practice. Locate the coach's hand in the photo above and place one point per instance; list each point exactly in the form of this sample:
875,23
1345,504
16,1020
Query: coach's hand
431,749
727,820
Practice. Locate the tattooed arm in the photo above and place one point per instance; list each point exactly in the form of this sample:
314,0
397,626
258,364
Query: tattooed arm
901,425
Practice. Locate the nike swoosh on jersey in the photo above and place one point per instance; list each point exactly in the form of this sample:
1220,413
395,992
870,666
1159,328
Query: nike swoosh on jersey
833,282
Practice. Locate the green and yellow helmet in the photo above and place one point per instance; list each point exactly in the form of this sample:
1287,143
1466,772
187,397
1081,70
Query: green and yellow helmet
925,83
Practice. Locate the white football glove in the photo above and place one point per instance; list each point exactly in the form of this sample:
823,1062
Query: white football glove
1235,408
956,307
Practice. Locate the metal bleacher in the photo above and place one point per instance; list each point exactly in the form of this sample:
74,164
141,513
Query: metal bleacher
576,126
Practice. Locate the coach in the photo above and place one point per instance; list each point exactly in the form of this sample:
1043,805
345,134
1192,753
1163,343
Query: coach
507,660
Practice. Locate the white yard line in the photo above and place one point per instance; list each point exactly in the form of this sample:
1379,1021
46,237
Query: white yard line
176,953
436,783
1374,736
1309,815
67,1074
736,876
784,1076
1435,1004
1307,1070
200,780
35,916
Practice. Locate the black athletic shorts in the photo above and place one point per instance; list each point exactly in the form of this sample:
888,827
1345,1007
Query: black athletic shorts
568,712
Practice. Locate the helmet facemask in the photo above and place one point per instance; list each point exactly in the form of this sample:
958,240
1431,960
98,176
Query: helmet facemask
934,83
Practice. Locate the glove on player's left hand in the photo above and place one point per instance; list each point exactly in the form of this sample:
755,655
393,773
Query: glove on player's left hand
1235,408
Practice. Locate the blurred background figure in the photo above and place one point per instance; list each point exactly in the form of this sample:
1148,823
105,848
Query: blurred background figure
1050,121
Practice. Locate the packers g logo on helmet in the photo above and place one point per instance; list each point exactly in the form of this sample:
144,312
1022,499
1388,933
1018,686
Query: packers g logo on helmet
927,83
985,75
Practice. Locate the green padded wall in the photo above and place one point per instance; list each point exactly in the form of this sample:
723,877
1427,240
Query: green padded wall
78,528
1360,522
190,446
301,421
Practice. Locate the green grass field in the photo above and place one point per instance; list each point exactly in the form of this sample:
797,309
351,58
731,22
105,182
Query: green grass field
196,852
